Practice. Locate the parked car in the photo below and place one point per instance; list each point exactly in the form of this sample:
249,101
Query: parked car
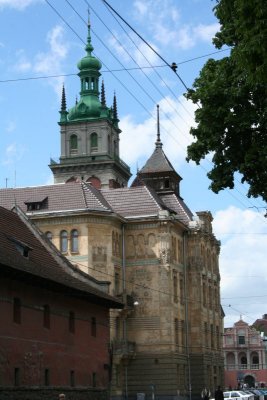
238,395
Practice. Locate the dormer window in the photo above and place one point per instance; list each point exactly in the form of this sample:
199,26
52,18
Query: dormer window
36,204
21,247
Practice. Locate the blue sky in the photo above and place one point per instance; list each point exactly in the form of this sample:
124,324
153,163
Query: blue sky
36,42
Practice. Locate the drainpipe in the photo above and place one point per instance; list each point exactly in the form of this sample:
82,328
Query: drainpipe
186,314
125,317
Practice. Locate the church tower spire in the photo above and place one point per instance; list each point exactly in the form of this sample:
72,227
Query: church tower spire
63,110
90,133
158,141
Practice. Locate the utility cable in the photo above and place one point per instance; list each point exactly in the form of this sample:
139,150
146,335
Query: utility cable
165,62
142,105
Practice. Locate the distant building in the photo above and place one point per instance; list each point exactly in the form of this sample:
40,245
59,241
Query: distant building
245,356
54,330
261,324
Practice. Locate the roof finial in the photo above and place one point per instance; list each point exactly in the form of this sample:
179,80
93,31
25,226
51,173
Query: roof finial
103,96
63,99
158,141
115,111
89,48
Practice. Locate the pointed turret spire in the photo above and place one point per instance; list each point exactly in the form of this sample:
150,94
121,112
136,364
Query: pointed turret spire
115,111
158,141
63,111
103,95
63,99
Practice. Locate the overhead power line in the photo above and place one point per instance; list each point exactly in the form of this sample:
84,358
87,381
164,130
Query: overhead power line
173,66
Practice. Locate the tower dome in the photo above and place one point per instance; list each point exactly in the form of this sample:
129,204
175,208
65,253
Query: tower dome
89,106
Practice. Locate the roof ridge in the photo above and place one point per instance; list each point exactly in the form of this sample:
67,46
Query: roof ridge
89,188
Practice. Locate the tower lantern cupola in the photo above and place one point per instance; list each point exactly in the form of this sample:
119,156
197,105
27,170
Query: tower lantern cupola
89,105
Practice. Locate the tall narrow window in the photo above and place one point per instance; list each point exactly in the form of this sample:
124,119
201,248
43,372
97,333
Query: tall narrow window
176,327
71,322
16,377
73,144
64,241
94,379
94,141
74,241
72,378
182,299
46,321
93,326
175,287
117,284
17,310
46,377
49,235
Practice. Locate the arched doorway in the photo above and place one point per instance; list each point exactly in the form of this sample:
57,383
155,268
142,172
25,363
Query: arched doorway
249,380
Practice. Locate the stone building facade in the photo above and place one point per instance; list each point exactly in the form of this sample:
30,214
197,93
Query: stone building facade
162,261
245,356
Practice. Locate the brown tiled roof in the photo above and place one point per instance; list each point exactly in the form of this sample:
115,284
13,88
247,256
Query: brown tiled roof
133,202
158,162
61,197
177,204
139,201
41,265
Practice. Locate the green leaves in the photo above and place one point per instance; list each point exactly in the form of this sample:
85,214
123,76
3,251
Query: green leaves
232,120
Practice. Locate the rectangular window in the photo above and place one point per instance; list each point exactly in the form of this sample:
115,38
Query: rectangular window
93,326
16,377
46,321
17,310
176,327
46,377
175,287
241,339
183,332
71,322
94,379
72,378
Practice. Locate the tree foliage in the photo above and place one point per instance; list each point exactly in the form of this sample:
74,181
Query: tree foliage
232,97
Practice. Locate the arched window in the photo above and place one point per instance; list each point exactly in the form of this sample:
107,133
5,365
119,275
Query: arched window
64,241
49,235
74,241
73,144
94,141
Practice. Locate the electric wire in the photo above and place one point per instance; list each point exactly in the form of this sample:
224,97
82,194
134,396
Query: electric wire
168,133
142,105
181,80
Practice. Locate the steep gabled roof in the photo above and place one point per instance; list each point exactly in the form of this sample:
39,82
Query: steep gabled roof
60,197
42,264
134,202
158,162
177,204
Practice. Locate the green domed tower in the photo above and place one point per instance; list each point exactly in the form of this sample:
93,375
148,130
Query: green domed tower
90,132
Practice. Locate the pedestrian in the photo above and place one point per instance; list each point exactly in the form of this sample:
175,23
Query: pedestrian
61,396
205,394
218,394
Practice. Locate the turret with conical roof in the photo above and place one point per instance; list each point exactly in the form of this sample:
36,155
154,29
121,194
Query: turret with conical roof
158,172
90,132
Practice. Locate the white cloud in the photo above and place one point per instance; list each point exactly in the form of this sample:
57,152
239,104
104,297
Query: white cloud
48,62
17,4
11,126
206,32
174,129
23,64
13,153
242,262
164,21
